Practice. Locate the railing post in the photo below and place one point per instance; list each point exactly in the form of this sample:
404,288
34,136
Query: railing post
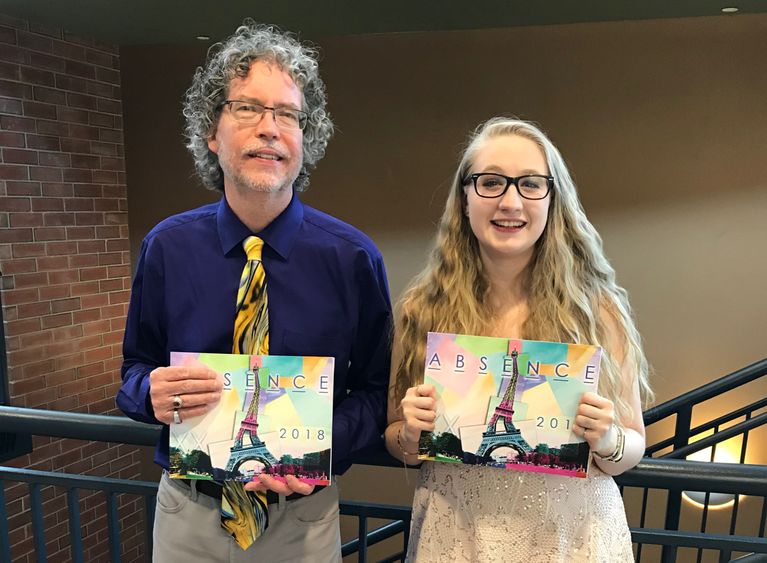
406,537
75,531
113,527
37,522
149,507
5,542
362,554
674,502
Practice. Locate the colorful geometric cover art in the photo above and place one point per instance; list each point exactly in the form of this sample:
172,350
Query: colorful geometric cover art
275,416
508,403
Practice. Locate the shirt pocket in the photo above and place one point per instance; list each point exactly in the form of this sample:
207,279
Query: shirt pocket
314,344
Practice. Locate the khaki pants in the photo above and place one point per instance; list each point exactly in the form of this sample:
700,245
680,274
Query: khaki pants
187,529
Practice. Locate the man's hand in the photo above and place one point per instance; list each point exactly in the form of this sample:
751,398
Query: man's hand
198,387
268,483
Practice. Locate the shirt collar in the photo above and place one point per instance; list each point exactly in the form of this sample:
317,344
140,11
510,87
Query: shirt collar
279,235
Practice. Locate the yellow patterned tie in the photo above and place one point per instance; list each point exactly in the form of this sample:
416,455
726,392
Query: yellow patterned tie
251,327
244,514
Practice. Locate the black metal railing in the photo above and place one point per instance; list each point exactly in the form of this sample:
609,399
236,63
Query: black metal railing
11,445
676,476
669,475
122,430
400,524
681,408
687,440
73,484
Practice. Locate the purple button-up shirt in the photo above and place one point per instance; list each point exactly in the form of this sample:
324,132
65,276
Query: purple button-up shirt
327,296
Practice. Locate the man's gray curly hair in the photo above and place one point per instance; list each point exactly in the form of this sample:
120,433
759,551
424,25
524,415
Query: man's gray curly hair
232,58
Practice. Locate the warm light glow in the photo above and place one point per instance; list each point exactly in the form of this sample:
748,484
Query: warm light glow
716,501
724,454
730,10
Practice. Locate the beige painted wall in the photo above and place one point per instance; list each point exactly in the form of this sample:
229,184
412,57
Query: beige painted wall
662,122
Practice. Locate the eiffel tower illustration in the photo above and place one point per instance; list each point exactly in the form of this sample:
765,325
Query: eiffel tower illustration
509,436
257,449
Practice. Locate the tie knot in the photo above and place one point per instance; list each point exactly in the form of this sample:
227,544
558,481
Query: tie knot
253,247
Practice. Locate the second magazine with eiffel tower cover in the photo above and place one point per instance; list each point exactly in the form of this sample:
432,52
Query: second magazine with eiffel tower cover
508,403
275,416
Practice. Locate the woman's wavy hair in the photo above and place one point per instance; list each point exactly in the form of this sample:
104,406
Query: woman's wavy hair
571,287
232,58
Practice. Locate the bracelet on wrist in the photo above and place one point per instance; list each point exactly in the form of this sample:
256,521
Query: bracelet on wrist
617,454
401,447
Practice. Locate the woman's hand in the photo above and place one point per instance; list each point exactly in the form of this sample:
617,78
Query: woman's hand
594,421
419,410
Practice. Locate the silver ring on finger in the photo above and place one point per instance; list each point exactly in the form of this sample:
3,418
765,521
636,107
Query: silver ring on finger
176,417
177,402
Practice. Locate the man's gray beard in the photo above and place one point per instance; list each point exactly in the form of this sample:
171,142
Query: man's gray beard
265,187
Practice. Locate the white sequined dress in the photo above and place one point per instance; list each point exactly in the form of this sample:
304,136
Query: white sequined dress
465,514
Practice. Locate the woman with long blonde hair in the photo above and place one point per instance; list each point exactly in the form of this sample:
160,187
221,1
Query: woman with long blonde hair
516,257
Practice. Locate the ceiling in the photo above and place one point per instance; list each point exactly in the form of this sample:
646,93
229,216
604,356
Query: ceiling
134,22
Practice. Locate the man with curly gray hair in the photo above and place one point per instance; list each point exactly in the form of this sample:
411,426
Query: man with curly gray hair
209,88
256,126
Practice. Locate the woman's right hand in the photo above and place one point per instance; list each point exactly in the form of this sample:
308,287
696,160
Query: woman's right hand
419,410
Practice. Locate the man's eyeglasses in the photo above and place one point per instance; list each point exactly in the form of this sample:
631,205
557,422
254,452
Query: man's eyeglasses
530,186
252,112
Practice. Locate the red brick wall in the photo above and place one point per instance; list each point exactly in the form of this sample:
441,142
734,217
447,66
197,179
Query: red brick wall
65,262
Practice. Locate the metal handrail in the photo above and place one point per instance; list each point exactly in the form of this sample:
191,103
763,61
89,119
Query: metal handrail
678,538
680,475
712,424
708,391
718,437
120,429
78,426
671,474
124,430
107,484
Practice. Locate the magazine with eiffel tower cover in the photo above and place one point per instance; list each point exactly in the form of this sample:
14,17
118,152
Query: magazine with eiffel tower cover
508,403
275,416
